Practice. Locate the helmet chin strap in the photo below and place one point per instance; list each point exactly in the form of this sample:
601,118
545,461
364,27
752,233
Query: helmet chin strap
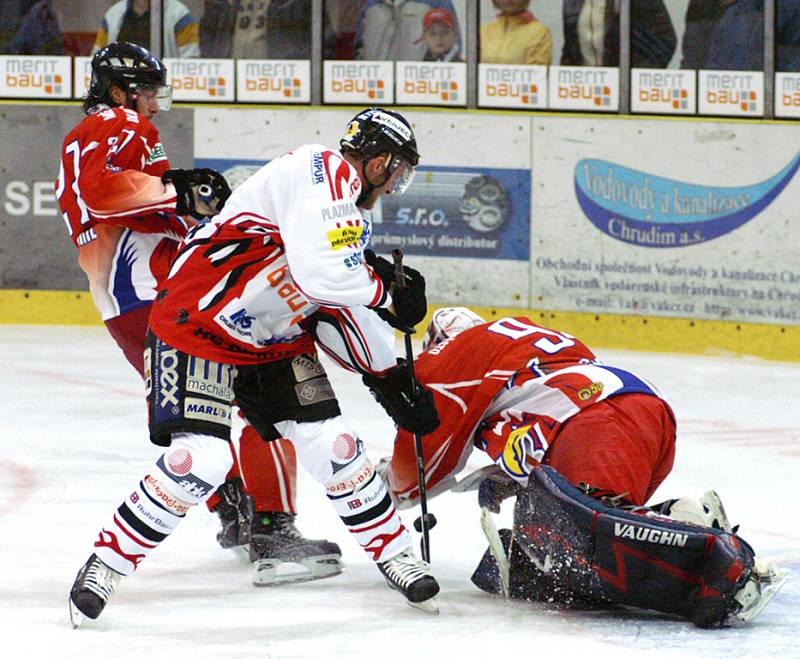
369,186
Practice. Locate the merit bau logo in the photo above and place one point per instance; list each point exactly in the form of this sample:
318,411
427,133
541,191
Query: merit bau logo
584,88
431,83
358,82
35,77
738,93
201,80
285,81
652,211
512,86
655,90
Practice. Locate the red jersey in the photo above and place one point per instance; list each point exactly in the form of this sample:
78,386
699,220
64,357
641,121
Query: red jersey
506,387
116,209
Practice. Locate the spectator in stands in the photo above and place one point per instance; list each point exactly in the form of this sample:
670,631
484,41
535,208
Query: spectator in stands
276,29
591,33
440,35
515,36
340,28
11,14
390,29
729,35
39,32
129,20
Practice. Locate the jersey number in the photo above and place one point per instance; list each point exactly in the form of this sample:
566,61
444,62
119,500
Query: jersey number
515,329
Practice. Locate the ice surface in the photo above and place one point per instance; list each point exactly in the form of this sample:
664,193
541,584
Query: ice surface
74,443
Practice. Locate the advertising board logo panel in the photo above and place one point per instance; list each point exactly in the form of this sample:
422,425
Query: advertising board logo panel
358,82
787,94
584,88
201,79
23,76
432,83
663,92
731,93
273,81
652,211
506,86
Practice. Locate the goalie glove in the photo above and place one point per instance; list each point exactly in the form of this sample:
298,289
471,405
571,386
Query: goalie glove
201,192
409,302
414,412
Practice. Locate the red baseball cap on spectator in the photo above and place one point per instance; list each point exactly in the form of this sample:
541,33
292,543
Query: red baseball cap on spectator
437,16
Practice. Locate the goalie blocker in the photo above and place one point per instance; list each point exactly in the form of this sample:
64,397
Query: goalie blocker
575,551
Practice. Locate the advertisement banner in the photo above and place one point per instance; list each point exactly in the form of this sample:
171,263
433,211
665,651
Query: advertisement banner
446,211
681,219
431,83
584,88
23,76
787,95
506,86
201,79
731,93
347,81
82,76
663,92
273,81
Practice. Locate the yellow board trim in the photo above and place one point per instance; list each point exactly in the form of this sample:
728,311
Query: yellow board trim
643,333
656,334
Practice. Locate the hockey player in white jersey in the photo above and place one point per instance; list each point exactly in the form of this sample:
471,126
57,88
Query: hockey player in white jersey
228,322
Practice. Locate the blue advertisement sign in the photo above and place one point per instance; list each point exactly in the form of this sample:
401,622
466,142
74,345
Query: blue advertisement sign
652,211
477,212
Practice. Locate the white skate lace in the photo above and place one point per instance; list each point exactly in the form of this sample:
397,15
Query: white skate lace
100,579
405,569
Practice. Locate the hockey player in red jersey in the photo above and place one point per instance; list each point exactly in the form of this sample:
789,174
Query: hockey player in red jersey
228,321
531,396
126,212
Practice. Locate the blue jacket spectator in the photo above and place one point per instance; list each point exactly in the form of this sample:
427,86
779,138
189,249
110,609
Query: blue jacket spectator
39,32
730,35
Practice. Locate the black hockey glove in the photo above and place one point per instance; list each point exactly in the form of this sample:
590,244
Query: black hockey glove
201,192
414,413
410,304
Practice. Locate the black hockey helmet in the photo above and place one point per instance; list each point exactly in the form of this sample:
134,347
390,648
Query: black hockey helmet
131,68
375,131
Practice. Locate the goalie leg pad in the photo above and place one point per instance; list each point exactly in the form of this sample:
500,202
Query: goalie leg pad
616,556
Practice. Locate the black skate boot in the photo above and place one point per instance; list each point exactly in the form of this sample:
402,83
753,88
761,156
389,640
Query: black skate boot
235,514
280,553
93,586
412,577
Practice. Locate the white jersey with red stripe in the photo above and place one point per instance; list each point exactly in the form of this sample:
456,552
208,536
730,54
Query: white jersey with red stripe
289,241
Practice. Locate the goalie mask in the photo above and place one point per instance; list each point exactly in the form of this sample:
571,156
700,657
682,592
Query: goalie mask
131,68
447,322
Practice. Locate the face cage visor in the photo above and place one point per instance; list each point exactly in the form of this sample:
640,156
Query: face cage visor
162,94
401,174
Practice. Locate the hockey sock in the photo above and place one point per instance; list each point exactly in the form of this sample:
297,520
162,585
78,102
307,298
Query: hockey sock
185,475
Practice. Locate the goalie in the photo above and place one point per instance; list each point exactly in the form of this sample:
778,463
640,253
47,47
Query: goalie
583,445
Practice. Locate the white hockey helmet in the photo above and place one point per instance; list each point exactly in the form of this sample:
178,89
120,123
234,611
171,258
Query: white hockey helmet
447,322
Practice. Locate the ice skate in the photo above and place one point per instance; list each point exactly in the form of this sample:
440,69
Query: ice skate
235,511
93,586
763,582
280,554
411,577
705,511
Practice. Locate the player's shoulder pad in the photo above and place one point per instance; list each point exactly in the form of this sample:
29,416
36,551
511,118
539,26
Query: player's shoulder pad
329,168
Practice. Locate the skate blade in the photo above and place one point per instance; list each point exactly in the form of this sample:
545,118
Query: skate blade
75,615
768,591
273,572
429,606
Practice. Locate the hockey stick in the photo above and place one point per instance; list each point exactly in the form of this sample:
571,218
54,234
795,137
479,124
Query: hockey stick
425,522
496,547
